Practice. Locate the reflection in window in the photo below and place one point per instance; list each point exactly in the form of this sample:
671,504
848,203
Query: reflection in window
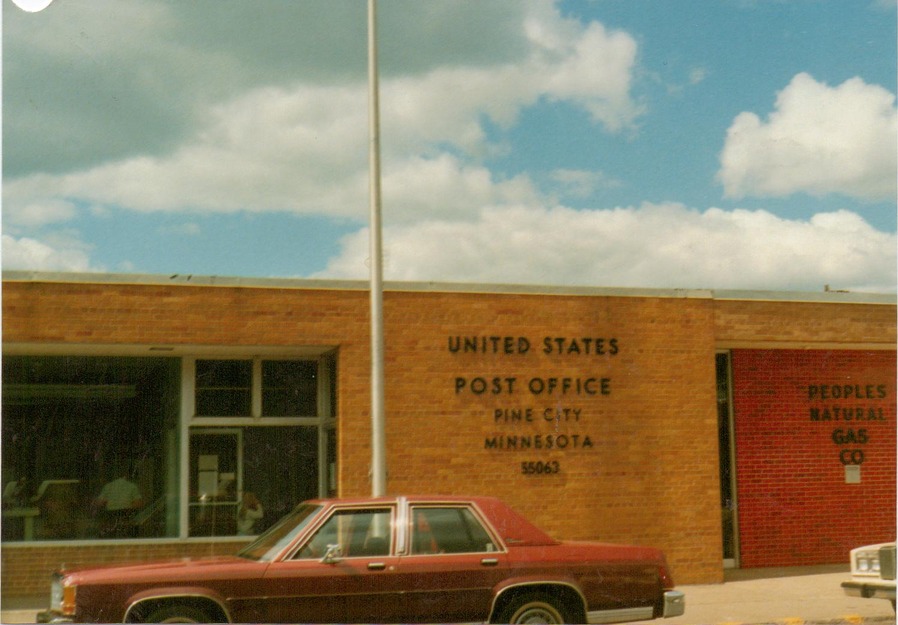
289,388
278,536
224,388
89,447
358,534
448,530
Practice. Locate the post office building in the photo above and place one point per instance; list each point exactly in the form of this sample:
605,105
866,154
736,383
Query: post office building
730,428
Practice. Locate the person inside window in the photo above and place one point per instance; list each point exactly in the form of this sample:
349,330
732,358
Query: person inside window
248,512
117,501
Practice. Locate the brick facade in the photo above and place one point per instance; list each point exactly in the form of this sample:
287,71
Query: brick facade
27,568
801,418
593,413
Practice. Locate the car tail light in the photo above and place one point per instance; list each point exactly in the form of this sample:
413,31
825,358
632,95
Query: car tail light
664,575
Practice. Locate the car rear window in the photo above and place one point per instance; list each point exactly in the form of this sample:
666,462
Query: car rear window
448,530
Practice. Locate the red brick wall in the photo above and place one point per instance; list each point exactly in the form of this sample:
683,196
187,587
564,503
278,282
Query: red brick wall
27,568
791,427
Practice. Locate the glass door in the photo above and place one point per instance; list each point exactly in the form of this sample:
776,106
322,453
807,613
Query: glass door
727,463
216,479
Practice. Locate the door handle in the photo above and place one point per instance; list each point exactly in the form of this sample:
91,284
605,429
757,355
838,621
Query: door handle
376,566
489,562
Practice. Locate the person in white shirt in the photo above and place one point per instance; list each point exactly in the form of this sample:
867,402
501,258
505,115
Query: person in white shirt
118,500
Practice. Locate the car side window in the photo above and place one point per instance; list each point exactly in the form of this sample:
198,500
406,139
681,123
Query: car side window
448,530
358,533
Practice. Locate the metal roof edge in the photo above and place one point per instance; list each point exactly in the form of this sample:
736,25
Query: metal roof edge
451,287
182,280
823,297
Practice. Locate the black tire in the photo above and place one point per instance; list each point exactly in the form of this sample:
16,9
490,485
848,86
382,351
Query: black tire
534,608
177,613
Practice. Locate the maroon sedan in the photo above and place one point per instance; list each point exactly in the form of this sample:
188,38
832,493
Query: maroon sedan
384,560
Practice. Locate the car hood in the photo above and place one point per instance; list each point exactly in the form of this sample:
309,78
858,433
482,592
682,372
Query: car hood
175,570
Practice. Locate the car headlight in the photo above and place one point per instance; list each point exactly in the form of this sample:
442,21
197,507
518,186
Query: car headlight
56,593
62,595
867,562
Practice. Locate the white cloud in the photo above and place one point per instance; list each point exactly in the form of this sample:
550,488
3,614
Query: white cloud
39,212
818,140
654,245
591,66
30,254
300,149
303,147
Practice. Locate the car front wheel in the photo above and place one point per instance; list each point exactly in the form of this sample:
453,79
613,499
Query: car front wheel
536,609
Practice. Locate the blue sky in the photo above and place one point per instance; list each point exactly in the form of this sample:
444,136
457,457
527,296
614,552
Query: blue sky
638,143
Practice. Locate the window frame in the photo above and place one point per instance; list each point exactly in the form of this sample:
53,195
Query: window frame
392,531
256,416
325,421
498,545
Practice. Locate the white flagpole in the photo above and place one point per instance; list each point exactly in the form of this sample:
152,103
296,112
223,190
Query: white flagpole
378,437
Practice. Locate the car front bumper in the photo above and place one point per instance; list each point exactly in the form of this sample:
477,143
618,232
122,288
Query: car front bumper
51,616
674,604
870,589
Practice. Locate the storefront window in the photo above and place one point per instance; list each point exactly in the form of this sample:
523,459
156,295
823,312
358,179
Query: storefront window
242,480
90,447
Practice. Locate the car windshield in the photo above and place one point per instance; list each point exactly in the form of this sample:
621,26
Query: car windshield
271,542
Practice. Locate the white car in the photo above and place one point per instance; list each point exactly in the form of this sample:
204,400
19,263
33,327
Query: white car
872,572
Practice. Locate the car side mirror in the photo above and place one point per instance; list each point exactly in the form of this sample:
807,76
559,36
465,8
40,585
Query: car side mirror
332,555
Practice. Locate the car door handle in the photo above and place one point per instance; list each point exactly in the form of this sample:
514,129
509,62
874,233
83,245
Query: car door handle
376,566
489,562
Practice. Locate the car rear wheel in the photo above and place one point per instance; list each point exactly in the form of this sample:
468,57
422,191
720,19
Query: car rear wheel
176,613
534,609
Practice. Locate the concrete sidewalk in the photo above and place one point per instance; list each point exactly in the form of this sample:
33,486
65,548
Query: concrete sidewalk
786,595
789,596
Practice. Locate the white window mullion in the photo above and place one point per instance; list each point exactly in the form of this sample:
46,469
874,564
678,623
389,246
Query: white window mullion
188,410
257,388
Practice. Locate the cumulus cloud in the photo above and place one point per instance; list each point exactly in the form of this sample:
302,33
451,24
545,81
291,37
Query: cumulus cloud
653,245
819,140
302,147
36,212
26,253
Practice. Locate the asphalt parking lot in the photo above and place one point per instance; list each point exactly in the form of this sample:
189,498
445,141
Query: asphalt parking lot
792,596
